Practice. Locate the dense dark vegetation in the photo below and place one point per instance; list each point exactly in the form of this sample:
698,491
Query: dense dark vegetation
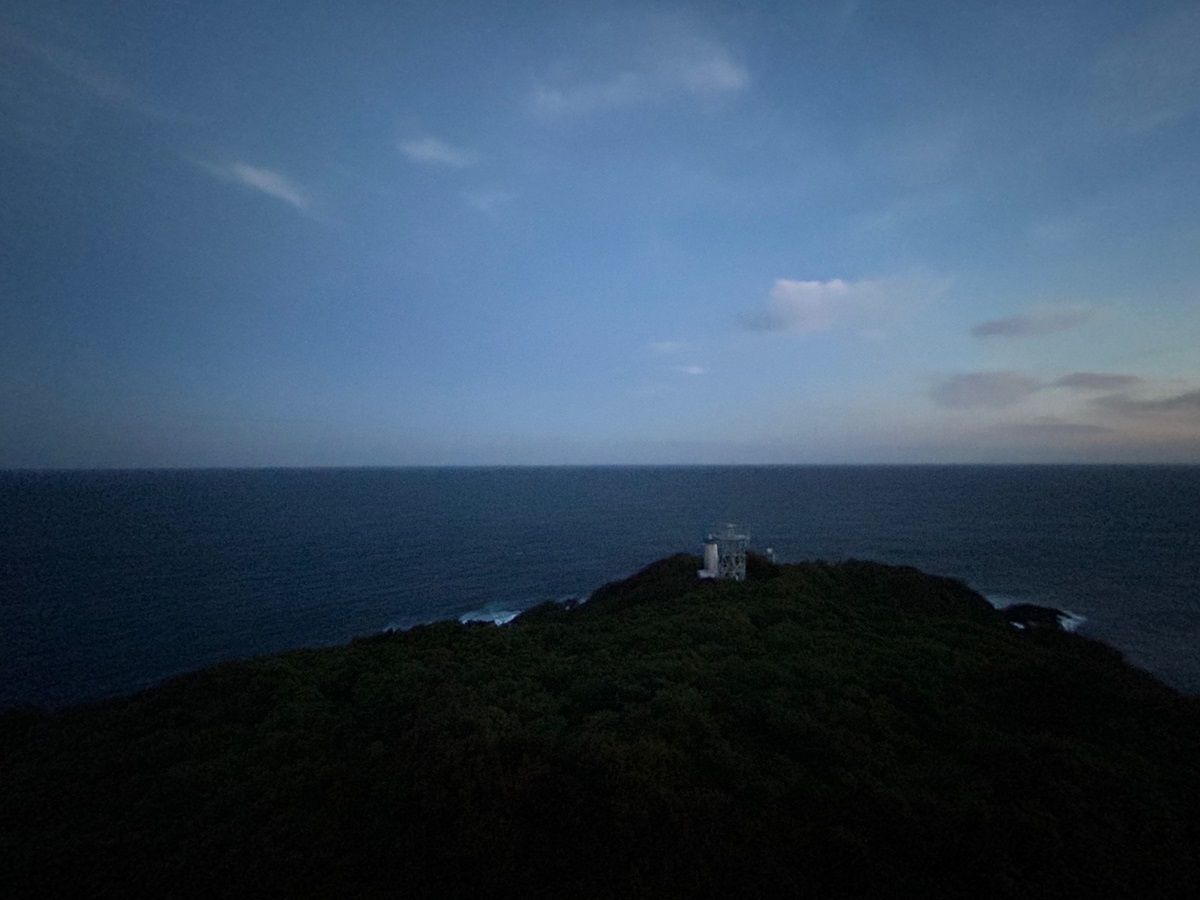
822,729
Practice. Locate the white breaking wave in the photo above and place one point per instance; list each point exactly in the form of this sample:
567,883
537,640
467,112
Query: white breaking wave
502,613
498,613
1071,621
490,614
1068,621
1002,600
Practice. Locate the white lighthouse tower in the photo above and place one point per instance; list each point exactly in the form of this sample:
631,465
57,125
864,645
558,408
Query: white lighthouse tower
725,553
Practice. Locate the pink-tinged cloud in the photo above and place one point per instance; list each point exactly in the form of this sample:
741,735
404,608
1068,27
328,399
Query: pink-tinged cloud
807,306
802,305
1097,381
986,390
1034,324
1184,405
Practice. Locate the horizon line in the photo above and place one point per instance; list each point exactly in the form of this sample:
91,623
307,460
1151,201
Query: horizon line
396,466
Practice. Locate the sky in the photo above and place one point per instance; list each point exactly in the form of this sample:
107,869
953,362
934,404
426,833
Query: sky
380,233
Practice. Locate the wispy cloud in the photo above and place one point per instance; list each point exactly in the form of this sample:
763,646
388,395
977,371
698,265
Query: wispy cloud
489,202
666,348
1034,324
658,60
1056,230
431,151
1097,381
265,181
987,390
86,76
690,370
1152,77
807,306
1186,404
1049,427
1000,389
622,89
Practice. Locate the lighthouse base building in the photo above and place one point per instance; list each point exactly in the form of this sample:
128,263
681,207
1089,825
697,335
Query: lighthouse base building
725,554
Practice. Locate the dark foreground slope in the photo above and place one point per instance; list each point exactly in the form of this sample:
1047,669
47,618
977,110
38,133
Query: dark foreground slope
839,728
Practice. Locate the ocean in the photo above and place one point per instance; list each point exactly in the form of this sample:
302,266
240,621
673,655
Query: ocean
111,581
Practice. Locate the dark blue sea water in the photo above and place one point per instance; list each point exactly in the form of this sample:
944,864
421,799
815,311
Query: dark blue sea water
111,581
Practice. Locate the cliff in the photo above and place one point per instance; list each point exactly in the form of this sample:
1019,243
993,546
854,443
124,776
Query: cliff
830,729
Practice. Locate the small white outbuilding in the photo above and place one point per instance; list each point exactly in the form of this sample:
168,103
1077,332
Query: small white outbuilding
725,553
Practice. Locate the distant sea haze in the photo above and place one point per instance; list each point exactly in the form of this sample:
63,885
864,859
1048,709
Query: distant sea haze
111,581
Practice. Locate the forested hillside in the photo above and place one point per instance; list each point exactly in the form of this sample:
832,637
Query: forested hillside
819,728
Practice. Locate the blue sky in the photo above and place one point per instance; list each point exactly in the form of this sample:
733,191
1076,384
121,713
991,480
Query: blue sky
386,234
